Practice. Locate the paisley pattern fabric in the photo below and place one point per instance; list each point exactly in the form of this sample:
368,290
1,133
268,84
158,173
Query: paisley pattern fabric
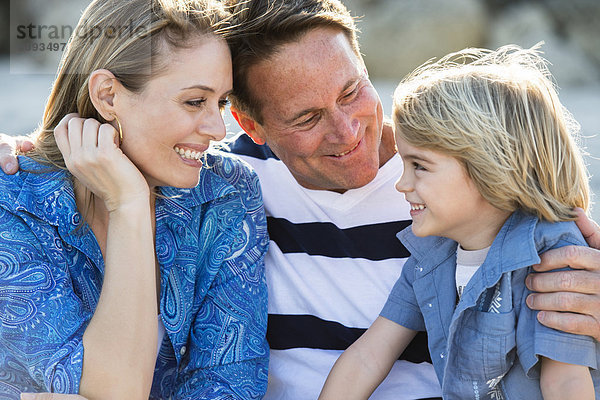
210,244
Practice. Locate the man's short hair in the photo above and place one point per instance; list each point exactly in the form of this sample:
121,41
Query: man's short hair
263,26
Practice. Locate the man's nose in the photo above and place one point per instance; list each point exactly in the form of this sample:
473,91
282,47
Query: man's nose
345,127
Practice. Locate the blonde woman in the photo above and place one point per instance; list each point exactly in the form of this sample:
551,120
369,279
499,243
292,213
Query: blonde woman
493,176
131,255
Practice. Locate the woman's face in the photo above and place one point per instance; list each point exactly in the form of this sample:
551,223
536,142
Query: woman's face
168,125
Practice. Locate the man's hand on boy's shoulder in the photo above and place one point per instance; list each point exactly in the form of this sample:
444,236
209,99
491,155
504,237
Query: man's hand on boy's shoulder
9,145
570,300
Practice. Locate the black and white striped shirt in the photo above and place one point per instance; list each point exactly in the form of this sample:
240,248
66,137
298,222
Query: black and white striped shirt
332,261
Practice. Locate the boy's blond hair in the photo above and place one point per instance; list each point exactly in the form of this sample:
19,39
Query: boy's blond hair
498,113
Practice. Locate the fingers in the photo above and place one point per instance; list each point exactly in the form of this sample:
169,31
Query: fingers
62,125
75,132
107,137
89,136
8,162
24,145
562,301
589,229
573,323
565,281
61,134
577,257
8,158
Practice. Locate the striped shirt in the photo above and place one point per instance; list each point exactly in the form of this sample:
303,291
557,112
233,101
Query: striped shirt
332,261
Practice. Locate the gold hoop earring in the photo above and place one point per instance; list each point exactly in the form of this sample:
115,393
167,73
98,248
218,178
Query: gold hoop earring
120,131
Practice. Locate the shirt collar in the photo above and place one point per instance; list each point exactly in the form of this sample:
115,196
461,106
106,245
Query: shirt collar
513,248
47,193
210,187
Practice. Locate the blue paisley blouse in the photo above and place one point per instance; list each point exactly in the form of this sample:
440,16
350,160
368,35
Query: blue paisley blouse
210,244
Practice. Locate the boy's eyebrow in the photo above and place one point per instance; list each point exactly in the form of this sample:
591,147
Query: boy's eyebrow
416,157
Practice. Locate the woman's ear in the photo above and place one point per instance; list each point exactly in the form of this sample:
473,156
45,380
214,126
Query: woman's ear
249,125
103,88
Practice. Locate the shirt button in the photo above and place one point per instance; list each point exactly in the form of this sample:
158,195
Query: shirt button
441,355
429,305
420,269
183,350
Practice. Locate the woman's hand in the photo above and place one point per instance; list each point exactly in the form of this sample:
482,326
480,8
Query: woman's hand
91,154
570,300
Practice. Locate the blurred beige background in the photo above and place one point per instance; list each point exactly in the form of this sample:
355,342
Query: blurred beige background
396,37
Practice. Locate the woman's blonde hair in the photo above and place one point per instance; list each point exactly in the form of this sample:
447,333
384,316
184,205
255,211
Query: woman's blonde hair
498,113
131,39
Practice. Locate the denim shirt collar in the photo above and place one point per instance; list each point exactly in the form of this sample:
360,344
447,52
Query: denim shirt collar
517,234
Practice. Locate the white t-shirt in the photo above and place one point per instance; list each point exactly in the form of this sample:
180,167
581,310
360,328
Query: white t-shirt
467,263
332,261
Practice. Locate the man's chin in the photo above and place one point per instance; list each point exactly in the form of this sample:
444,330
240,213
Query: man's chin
348,182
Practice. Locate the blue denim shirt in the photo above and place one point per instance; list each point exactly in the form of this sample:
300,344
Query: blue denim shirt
488,345
210,244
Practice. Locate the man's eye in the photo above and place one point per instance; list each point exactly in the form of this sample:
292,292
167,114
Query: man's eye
309,121
352,94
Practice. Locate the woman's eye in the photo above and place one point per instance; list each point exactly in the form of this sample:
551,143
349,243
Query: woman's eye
195,103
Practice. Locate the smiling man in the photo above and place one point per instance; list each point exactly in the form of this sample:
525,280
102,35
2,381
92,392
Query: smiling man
327,166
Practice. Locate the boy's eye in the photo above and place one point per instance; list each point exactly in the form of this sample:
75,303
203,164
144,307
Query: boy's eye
419,167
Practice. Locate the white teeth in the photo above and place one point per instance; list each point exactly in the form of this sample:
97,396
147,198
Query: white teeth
346,152
189,154
417,206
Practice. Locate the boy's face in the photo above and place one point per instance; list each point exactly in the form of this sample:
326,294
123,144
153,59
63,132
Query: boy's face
444,200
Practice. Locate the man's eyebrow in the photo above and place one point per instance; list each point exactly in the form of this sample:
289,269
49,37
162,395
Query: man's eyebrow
313,109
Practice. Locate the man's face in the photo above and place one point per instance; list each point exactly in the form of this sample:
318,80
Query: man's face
321,115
